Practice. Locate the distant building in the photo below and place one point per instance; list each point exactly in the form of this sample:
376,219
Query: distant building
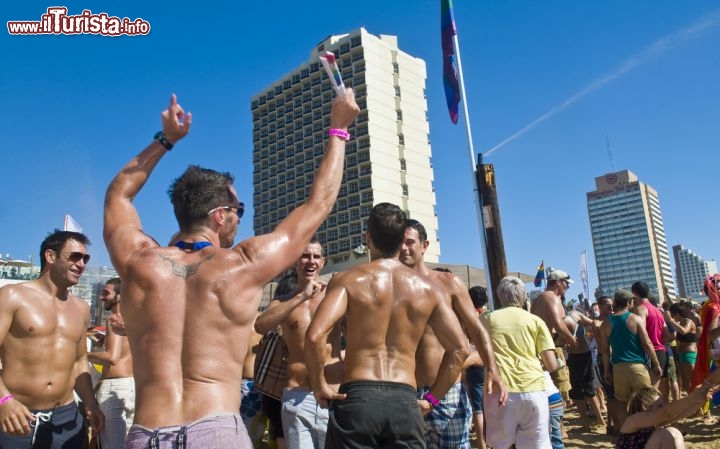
387,157
690,272
628,235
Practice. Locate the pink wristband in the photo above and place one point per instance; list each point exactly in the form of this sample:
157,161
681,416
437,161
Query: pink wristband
431,399
6,398
341,133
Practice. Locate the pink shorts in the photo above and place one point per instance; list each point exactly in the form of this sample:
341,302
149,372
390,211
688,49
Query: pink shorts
212,432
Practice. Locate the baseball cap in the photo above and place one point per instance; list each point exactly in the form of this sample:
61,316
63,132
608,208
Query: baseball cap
559,275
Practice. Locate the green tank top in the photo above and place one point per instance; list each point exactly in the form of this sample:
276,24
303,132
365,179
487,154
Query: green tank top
625,345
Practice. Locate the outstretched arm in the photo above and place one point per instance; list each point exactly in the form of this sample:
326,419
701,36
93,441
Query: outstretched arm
670,412
271,253
331,309
122,229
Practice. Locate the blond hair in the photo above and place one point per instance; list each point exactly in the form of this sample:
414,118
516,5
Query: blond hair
641,399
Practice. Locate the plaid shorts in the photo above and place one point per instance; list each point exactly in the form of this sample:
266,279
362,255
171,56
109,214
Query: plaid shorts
447,426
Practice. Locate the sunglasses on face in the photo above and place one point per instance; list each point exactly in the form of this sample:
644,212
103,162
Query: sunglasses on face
239,209
76,257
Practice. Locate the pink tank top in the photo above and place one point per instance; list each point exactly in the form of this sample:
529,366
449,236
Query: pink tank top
654,324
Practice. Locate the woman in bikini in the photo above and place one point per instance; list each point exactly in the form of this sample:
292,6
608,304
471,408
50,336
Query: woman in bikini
680,317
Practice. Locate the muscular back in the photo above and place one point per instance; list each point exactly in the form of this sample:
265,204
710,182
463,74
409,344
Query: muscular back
189,317
388,308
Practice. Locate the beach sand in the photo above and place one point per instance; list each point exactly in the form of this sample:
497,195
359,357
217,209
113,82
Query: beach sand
697,434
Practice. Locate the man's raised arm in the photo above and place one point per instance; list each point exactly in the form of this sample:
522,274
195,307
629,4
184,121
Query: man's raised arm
271,253
122,230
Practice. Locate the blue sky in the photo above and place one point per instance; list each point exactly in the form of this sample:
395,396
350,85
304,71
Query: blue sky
74,109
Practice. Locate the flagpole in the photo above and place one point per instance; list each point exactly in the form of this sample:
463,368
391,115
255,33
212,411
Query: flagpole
473,167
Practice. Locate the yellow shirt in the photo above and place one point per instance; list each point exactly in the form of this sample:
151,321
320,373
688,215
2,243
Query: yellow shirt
518,337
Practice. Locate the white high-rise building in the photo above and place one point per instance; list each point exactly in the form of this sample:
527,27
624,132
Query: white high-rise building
387,157
691,270
628,235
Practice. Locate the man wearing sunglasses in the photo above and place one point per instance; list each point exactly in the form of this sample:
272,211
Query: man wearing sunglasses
182,304
42,330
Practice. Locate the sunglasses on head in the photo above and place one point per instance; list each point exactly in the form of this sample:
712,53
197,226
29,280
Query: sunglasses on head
75,257
239,209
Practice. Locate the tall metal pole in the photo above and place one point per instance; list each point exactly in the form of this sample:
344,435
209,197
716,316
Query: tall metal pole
478,200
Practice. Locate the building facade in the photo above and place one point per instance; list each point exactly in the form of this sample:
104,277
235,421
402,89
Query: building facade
388,158
690,272
628,235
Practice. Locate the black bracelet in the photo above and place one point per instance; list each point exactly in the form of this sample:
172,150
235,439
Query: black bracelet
162,140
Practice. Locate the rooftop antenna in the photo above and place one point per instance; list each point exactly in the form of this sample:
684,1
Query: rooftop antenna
607,145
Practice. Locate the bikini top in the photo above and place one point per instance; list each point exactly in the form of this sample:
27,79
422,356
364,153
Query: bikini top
687,338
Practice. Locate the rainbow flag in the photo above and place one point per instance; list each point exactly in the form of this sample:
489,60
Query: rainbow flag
540,276
450,78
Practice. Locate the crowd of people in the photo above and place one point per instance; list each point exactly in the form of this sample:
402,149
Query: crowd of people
388,354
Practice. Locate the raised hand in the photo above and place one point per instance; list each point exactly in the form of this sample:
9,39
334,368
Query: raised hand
175,122
344,110
313,288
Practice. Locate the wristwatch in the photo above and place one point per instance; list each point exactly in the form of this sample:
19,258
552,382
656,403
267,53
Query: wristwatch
162,140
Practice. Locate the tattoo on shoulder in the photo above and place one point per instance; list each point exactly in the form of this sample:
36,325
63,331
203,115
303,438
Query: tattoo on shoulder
185,271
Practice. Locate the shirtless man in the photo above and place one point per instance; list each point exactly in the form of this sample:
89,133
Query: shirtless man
548,306
116,389
304,422
387,307
44,355
183,304
605,308
580,366
447,426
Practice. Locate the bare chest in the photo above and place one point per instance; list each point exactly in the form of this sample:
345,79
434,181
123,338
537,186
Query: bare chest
58,318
